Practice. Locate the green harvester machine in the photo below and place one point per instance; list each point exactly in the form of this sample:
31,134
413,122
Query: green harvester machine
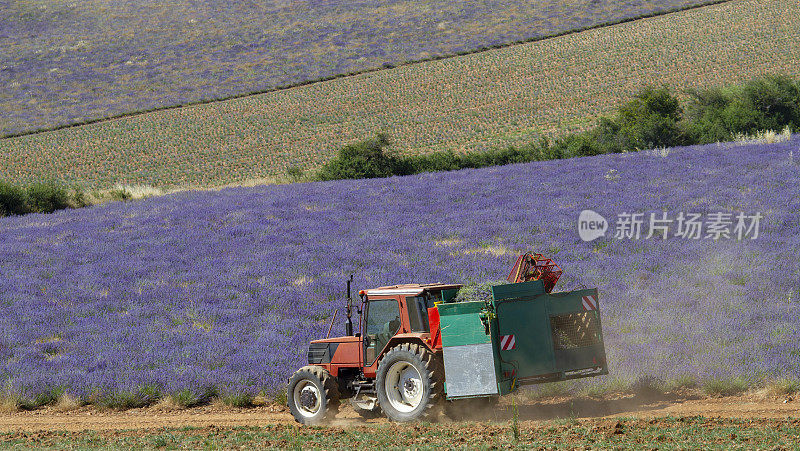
523,335
418,347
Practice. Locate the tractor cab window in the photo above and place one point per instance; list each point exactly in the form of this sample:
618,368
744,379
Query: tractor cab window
383,321
418,311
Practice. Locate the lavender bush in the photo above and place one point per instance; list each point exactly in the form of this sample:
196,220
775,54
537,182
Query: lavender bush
219,292
63,63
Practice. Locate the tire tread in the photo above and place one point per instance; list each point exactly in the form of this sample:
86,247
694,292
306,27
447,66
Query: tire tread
330,386
433,367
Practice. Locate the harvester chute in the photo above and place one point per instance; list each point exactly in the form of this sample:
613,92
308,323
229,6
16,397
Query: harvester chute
532,266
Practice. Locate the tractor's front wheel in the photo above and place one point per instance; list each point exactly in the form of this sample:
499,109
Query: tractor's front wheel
409,383
313,395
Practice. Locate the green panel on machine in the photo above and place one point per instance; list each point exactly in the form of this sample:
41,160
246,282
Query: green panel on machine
517,290
542,336
449,295
524,335
468,351
461,324
571,301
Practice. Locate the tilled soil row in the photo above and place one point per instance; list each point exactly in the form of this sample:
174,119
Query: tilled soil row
530,413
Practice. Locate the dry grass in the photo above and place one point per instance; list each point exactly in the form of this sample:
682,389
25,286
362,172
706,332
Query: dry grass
139,191
168,403
9,404
662,152
66,403
495,250
450,242
765,137
471,102
302,281
780,388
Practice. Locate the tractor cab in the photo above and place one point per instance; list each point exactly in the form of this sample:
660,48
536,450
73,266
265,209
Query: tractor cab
397,313
387,315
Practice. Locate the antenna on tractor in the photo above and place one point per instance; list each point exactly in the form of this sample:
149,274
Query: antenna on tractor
348,326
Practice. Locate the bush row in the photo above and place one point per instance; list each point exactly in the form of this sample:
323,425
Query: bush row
143,396
149,395
654,118
45,197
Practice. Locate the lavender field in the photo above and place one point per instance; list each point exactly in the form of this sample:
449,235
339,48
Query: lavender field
69,62
224,289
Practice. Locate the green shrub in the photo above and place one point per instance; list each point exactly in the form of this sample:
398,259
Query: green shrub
141,397
498,157
120,194
548,152
47,197
13,200
366,159
42,197
578,145
776,101
190,398
709,116
719,115
295,173
433,162
79,199
237,400
767,103
450,161
652,119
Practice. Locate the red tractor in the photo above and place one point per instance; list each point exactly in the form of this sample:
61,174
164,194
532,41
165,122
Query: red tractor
417,348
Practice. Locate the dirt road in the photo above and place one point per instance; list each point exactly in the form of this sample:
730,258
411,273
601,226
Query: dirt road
89,418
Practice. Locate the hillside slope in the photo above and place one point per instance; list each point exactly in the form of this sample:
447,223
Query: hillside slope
225,288
68,62
465,103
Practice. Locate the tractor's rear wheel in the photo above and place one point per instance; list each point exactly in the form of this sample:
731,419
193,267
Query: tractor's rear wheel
313,395
409,383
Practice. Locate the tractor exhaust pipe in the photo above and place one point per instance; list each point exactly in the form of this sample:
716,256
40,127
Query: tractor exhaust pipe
348,325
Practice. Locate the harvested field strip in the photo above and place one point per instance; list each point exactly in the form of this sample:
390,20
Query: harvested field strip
471,102
623,433
751,406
